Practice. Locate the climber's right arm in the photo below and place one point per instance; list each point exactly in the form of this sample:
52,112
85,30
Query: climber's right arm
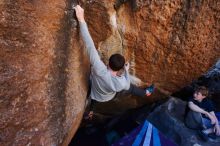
94,57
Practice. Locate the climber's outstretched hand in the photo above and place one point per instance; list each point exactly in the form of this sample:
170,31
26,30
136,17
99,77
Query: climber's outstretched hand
79,13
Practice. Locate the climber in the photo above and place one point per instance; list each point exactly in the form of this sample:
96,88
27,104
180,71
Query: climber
108,80
200,114
135,4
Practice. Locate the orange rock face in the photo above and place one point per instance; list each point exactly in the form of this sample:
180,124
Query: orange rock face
44,71
177,41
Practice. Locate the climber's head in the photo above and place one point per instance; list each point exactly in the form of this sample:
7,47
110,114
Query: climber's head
116,62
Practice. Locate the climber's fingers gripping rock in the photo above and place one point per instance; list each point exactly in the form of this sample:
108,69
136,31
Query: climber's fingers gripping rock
79,13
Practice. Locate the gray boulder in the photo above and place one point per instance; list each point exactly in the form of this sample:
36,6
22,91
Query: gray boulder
169,119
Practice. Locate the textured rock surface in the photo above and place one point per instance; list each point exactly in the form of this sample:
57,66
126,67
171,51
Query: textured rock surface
42,76
42,69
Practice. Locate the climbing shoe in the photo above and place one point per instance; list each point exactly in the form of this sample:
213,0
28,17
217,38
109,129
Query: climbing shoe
149,90
88,115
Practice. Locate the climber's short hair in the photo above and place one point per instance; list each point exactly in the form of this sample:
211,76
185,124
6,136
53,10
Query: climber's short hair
116,62
203,90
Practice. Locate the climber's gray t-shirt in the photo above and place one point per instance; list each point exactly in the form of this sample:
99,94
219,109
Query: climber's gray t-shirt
104,85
